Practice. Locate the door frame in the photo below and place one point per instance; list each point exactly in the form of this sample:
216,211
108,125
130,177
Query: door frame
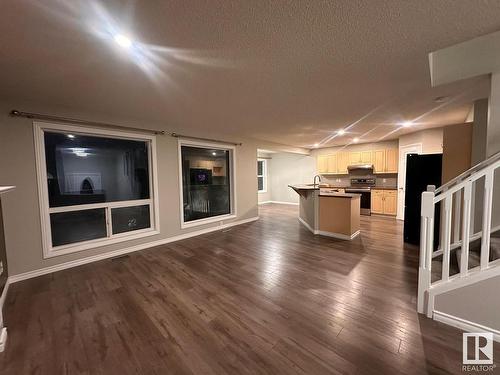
414,148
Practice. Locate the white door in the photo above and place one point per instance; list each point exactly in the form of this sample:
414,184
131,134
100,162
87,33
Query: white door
415,148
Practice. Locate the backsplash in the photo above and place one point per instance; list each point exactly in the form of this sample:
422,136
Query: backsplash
381,180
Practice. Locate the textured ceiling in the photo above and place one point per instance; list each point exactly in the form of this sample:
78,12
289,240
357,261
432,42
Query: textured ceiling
291,72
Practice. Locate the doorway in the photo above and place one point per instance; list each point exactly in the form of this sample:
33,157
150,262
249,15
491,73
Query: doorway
415,148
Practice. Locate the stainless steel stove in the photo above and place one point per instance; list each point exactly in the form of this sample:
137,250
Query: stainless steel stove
362,186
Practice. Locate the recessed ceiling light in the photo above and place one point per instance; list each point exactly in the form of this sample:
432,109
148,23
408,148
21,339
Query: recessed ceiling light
406,124
71,136
341,132
356,140
316,145
214,153
123,41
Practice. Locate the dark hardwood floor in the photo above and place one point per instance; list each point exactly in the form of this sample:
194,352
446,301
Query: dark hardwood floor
266,297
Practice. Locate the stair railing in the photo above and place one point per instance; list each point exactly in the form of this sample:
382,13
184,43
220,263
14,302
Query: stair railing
457,202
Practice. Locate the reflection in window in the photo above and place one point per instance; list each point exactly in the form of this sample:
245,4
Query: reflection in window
77,226
206,180
86,169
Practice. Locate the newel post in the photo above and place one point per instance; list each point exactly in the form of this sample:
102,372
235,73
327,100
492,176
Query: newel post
426,246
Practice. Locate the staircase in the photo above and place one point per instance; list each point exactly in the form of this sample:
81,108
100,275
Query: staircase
466,249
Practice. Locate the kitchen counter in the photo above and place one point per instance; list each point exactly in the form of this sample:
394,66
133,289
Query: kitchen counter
329,213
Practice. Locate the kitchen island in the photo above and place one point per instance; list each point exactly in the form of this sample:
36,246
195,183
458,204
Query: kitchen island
328,212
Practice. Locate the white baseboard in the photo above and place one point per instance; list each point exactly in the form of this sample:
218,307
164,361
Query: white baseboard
280,202
112,254
329,234
3,330
464,325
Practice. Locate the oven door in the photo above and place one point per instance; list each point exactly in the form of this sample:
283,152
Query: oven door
366,199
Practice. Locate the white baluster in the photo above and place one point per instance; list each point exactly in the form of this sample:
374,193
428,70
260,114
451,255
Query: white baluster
466,218
487,205
446,238
426,247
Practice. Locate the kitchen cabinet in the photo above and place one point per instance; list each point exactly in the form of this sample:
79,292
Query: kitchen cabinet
332,163
366,157
385,161
342,162
391,160
384,202
360,157
322,164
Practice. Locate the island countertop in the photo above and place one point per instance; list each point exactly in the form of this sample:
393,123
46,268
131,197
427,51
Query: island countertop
324,191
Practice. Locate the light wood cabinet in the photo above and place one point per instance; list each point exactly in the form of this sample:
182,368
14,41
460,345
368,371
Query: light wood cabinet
360,157
385,161
377,206
342,162
378,161
332,163
366,157
322,164
391,160
384,202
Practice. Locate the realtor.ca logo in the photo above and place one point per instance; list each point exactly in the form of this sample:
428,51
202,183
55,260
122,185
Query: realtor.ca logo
480,358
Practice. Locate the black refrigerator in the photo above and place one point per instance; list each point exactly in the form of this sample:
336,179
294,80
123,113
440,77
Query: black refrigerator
421,170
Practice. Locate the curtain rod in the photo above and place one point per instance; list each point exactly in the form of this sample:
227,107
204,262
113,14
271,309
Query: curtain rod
40,116
175,135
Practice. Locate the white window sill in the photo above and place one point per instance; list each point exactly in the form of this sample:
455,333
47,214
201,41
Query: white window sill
92,244
209,220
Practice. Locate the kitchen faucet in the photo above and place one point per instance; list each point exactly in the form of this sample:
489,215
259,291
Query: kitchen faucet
319,180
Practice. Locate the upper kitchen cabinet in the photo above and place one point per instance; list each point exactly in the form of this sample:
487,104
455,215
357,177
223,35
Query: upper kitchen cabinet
342,162
385,161
391,160
322,164
360,157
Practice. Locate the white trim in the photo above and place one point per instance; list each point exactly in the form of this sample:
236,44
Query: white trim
232,175
112,254
3,330
48,250
339,236
464,325
282,202
4,189
263,175
264,202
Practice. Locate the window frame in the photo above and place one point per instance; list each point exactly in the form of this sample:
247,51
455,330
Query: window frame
232,188
50,251
263,175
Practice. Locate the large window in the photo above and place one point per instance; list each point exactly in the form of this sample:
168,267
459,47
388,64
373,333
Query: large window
262,175
207,182
96,187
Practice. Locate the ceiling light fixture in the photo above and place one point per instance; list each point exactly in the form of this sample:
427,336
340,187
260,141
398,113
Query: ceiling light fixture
406,124
341,132
123,41
316,145
356,140
214,153
71,136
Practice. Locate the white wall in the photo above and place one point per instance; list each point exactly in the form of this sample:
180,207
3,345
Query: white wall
431,140
21,209
290,169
